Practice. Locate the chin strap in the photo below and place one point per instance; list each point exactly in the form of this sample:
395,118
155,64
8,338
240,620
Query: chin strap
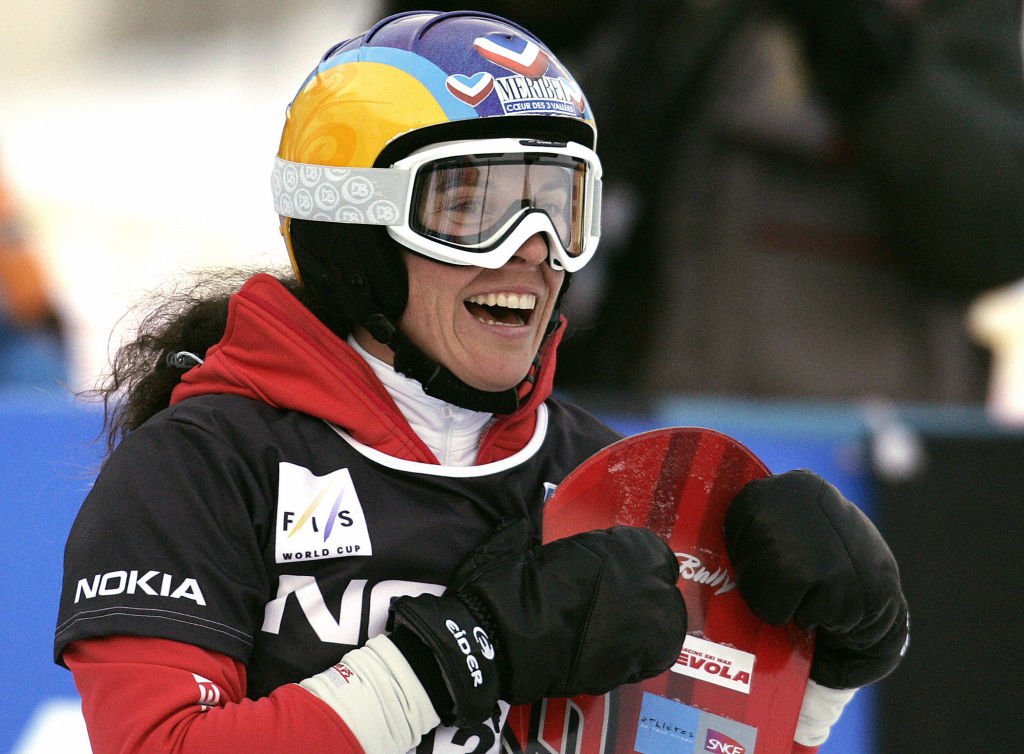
438,381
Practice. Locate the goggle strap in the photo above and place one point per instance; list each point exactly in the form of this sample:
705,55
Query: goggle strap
365,196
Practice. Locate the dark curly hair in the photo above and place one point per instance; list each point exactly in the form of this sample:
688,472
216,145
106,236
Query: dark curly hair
174,323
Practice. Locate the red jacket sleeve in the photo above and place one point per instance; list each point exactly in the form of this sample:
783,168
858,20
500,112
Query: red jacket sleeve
142,695
799,749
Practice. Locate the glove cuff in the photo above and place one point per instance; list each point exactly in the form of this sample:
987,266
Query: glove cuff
462,648
376,694
820,710
423,663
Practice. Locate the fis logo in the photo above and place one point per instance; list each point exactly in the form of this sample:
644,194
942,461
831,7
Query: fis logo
318,517
719,743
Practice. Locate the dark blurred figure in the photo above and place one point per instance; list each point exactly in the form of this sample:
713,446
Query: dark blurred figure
802,198
32,344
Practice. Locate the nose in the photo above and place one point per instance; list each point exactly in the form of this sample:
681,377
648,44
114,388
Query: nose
534,250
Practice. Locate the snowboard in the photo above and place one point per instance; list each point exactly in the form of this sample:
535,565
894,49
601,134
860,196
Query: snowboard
739,682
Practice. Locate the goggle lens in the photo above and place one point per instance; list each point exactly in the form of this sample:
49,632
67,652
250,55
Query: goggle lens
473,201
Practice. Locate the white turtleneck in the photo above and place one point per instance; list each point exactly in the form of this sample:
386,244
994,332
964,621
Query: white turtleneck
451,432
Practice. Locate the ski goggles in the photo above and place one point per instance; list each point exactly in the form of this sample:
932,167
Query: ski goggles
467,203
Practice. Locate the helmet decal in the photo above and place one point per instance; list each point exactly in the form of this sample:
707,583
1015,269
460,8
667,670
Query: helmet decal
333,123
518,55
471,89
545,95
418,67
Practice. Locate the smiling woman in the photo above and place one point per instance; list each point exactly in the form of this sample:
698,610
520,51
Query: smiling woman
380,424
319,526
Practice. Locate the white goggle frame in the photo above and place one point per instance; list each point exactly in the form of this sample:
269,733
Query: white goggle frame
384,196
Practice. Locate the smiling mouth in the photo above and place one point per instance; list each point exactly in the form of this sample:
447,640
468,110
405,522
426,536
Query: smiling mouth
502,309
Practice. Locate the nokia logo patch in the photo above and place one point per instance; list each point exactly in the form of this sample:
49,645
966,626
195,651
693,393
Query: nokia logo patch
153,583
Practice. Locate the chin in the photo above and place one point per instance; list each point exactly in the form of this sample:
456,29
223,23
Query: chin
492,383
493,387
493,372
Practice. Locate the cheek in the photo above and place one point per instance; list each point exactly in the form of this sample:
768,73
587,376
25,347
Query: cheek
421,314
435,297
555,281
432,300
422,285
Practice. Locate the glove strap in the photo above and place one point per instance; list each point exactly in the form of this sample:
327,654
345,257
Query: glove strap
463,650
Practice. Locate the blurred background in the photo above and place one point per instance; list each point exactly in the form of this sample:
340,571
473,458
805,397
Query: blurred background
137,138
813,241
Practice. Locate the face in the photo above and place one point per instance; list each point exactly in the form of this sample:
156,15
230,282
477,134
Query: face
484,325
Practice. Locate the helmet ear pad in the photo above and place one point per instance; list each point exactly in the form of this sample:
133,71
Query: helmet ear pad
351,272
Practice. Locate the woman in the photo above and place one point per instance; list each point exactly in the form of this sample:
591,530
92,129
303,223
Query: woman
318,531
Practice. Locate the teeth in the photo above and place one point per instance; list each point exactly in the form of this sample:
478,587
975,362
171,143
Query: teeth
506,300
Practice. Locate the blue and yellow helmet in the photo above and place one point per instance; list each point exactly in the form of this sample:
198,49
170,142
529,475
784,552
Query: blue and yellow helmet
418,70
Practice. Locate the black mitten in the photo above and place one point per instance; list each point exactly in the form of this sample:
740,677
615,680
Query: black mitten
581,615
803,552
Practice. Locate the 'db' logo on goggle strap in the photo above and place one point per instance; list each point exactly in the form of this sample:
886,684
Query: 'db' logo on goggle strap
517,55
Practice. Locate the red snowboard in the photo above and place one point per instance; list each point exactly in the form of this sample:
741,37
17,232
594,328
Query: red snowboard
739,682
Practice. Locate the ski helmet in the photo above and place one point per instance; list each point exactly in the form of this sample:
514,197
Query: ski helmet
382,113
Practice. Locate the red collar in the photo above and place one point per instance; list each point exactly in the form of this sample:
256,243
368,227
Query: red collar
276,351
